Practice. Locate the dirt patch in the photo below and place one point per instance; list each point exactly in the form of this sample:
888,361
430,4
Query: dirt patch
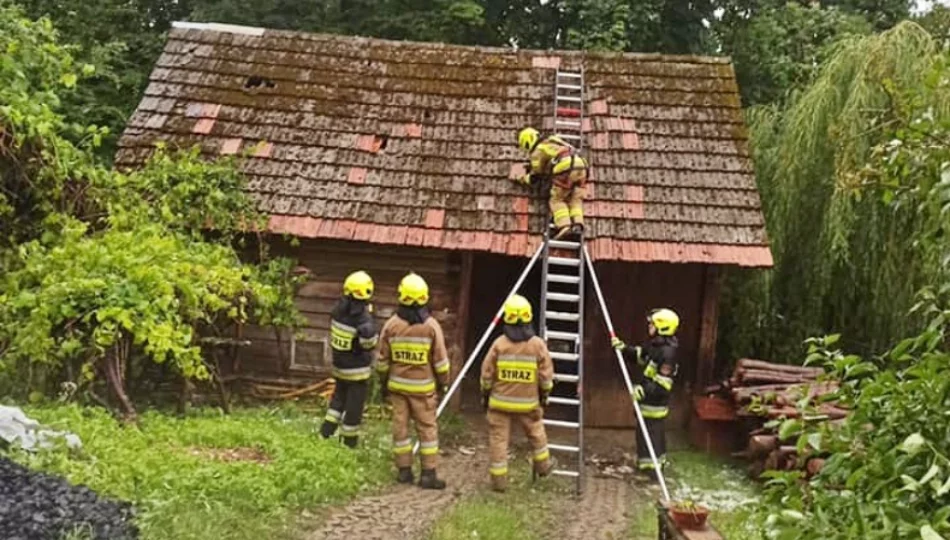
231,455
407,511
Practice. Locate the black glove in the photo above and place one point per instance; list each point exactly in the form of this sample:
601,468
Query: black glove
443,390
485,397
544,398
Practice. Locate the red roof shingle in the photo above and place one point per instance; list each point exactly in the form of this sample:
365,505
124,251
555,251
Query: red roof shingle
410,143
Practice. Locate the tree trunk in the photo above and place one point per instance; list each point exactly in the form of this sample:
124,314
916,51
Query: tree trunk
115,368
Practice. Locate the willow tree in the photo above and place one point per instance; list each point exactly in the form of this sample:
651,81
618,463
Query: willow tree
845,260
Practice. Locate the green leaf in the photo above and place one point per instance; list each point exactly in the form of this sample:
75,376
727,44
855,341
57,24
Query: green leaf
832,339
913,444
69,80
944,489
928,533
789,429
930,474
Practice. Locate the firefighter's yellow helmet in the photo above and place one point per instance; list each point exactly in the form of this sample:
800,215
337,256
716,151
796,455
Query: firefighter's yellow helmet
517,310
665,320
358,285
527,138
413,290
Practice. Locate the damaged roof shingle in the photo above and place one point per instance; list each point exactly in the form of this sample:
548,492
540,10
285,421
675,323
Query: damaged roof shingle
412,143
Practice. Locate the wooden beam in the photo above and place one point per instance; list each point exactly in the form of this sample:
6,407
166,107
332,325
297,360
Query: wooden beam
709,327
462,325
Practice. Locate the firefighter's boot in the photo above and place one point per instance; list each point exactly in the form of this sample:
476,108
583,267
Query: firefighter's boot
405,475
429,480
328,429
562,232
577,230
499,483
351,440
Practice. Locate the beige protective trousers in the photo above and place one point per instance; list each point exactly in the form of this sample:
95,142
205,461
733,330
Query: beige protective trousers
499,432
421,409
567,206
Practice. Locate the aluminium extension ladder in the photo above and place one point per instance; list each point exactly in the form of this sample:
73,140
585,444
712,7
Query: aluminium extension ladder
562,301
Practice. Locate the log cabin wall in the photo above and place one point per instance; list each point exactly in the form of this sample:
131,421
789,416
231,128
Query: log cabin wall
631,290
329,263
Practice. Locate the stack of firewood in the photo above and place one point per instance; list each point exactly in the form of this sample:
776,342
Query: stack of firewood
763,391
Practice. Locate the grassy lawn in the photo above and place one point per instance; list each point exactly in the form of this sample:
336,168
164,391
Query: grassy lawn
712,482
524,512
243,476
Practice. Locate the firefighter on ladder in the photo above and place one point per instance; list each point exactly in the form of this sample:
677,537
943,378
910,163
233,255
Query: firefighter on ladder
657,357
413,364
353,337
517,376
552,158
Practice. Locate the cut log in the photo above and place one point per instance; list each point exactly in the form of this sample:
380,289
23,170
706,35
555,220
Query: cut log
749,363
814,466
763,376
760,445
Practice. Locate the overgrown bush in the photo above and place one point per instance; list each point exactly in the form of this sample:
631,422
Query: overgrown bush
106,271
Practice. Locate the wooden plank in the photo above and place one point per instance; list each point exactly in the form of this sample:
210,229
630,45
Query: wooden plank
462,326
709,327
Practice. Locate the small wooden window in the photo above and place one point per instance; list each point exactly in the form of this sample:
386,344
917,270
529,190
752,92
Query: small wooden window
309,354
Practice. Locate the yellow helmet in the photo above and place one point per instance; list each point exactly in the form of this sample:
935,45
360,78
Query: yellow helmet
527,138
358,285
517,310
413,290
665,320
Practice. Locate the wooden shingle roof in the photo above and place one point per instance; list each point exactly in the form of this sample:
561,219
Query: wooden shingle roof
412,143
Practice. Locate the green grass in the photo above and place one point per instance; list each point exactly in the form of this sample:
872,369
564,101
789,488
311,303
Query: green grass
709,481
182,493
524,512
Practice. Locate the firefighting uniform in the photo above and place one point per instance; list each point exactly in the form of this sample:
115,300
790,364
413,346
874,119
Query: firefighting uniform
556,159
517,374
658,359
413,359
353,337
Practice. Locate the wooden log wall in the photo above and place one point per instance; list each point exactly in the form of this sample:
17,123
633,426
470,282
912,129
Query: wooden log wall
329,262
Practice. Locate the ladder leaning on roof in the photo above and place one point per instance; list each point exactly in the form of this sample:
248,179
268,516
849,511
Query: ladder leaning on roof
562,284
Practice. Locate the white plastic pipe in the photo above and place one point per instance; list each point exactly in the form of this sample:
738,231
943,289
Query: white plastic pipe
626,377
481,342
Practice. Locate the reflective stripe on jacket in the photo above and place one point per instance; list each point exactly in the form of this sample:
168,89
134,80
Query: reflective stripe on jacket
516,373
658,375
558,160
413,356
353,336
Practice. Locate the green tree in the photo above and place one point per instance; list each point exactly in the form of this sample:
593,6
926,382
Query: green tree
105,272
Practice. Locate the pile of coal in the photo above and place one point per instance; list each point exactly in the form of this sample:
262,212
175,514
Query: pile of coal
37,506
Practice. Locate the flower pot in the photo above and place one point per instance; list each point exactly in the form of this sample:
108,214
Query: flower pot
689,519
714,408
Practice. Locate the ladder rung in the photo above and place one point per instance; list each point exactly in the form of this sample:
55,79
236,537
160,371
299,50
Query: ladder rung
571,74
568,123
565,472
567,357
564,401
562,86
561,423
561,244
564,297
568,111
568,136
562,336
564,261
562,316
570,99
563,377
563,448
558,278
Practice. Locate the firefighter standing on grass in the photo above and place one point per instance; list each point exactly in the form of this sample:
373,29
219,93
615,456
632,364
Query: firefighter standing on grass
554,159
413,364
353,337
517,376
657,357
